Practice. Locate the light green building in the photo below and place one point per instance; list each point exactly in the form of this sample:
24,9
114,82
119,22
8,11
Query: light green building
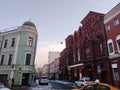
17,53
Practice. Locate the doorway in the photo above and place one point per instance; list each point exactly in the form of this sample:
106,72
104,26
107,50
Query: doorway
25,79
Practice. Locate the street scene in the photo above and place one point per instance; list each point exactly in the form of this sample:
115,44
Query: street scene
60,45
52,85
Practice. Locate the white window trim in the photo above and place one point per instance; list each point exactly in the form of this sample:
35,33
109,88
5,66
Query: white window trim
110,41
117,38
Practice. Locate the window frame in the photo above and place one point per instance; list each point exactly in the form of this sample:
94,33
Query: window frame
2,59
5,43
108,42
101,48
78,50
28,59
118,46
108,27
10,59
13,42
30,41
116,22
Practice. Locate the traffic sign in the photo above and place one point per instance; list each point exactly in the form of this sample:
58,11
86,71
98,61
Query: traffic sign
69,68
99,69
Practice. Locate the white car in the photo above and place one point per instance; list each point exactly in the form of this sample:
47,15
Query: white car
83,81
2,87
43,80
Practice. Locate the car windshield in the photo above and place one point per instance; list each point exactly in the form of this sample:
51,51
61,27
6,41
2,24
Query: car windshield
87,80
1,85
44,77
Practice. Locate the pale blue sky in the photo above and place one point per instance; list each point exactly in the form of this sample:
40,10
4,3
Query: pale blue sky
54,19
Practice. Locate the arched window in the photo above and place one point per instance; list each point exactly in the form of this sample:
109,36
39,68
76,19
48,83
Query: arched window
118,43
110,47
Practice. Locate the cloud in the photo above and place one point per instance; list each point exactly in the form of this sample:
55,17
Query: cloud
42,51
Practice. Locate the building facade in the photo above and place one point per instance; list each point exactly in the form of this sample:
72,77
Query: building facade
17,53
112,26
86,51
45,70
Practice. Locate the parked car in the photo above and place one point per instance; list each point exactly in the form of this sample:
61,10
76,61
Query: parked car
97,86
83,81
2,87
43,80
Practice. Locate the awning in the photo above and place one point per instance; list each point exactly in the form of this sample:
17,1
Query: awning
76,65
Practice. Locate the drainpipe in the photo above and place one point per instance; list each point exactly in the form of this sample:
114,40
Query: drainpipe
108,60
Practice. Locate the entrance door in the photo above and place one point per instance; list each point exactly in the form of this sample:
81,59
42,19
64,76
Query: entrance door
25,79
3,77
104,77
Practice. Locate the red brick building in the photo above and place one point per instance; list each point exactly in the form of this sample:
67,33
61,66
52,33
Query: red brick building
94,50
86,50
112,25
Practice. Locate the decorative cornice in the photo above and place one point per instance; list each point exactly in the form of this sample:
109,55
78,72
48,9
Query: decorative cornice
112,13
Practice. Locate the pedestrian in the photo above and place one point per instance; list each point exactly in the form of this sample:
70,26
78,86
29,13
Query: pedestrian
10,83
34,78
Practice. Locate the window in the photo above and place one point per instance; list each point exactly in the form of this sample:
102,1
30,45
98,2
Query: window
108,27
110,47
116,74
101,48
30,41
13,42
10,59
87,52
0,44
73,56
78,54
2,59
5,44
118,42
28,59
116,22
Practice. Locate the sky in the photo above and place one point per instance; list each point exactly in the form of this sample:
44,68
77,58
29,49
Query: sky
54,20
